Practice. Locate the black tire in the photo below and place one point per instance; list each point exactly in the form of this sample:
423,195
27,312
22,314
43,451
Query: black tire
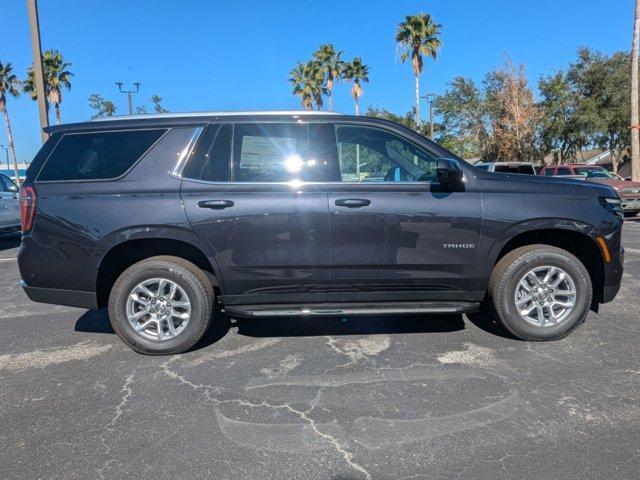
188,277
632,213
513,266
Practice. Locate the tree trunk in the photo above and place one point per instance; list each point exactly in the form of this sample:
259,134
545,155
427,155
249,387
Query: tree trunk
331,99
58,118
10,144
635,117
418,99
357,108
615,160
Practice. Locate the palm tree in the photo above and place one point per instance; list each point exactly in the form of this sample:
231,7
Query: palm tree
332,66
308,83
357,72
56,76
418,35
9,84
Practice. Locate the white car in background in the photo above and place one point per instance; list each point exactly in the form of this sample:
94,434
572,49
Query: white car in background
9,206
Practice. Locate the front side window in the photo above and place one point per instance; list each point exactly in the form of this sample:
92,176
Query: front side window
563,171
97,155
272,152
368,154
548,172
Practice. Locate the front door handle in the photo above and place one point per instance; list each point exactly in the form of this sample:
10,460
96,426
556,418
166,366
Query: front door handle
215,204
353,202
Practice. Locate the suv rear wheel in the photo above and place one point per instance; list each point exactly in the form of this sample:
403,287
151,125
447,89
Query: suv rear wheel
161,305
540,292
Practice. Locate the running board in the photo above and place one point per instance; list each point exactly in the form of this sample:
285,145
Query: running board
325,309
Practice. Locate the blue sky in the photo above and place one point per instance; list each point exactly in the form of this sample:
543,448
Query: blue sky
225,55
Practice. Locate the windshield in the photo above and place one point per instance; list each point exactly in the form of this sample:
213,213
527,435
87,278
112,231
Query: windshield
596,173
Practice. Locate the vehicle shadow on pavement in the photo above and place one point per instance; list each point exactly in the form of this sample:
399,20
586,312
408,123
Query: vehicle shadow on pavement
365,325
97,321
9,241
94,321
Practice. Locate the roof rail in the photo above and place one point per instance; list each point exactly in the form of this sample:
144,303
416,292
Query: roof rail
214,114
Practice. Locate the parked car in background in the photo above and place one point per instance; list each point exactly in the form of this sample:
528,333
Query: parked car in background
9,206
629,191
161,218
507,167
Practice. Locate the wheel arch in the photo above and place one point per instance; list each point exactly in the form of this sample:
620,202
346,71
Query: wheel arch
574,237
124,249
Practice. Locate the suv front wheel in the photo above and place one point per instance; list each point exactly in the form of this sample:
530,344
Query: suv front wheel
161,305
540,292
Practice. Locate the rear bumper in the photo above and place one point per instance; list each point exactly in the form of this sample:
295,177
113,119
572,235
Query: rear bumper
71,298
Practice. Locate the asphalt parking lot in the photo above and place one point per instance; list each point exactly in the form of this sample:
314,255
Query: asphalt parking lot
378,397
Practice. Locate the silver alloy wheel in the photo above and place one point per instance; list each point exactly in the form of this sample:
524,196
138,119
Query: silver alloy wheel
545,296
158,309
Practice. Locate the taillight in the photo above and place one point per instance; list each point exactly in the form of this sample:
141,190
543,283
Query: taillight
28,200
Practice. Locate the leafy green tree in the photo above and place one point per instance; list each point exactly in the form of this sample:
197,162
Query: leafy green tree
307,80
408,119
562,131
156,100
604,105
56,77
358,73
464,118
418,35
101,107
9,85
332,65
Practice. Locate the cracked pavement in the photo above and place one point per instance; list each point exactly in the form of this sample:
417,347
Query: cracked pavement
353,398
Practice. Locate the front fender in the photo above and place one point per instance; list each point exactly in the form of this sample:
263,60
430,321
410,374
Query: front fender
496,239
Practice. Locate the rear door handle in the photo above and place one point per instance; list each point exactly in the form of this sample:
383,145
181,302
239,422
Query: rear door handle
353,202
216,204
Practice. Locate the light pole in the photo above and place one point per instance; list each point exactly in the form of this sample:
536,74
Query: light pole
6,151
34,25
129,92
430,97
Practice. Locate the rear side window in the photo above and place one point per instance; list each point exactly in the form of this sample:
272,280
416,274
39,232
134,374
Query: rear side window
563,171
274,152
97,155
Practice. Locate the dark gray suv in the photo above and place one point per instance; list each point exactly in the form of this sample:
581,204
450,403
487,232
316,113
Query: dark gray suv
161,218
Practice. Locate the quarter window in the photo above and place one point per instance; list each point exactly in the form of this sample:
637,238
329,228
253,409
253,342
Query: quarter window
368,154
97,155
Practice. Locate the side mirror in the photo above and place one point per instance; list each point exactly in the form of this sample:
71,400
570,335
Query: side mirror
448,171
627,179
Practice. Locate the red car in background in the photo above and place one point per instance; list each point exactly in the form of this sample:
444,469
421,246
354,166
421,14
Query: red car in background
628,191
